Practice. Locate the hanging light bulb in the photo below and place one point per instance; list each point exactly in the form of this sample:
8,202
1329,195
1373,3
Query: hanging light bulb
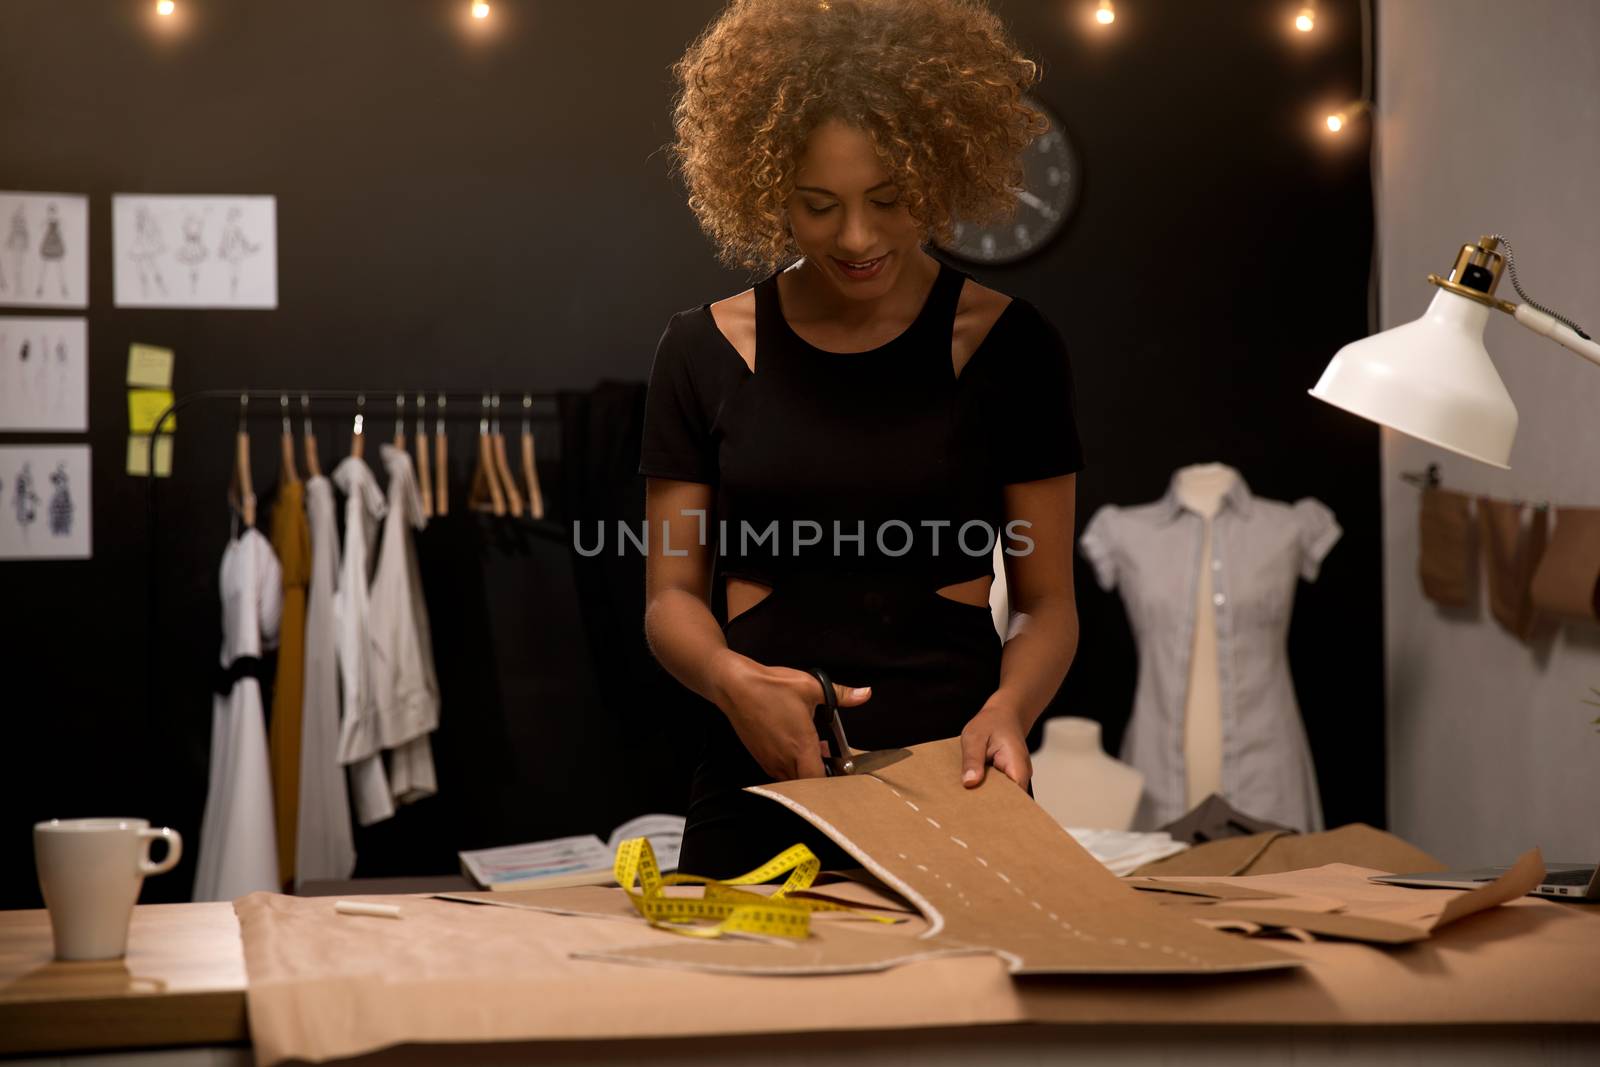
1105,15
165,7
1341,118
480,9
1306,21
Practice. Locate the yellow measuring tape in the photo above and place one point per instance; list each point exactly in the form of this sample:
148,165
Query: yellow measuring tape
729,910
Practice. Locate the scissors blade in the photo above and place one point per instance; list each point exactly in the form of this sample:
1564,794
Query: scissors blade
870,762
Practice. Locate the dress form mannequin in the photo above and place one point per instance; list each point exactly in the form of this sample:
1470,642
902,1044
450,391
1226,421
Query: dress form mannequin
1077,783
1201,487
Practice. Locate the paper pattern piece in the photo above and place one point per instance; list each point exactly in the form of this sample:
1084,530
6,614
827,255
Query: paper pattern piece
44,502
1337,900
988,868
145,406
139,455
323,986
44,250
44,375
195,251
149,366
1354,843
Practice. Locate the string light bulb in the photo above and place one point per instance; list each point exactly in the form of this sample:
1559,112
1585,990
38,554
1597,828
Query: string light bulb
1306,21
165,7
1105,15
1338,120
480,9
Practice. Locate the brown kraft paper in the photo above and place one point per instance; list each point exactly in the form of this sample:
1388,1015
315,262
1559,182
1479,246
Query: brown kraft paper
1354,843
1338,900
1446,560
1567,583
1512,555
988,869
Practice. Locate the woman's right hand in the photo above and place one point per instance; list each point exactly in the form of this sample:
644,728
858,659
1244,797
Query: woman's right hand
771,711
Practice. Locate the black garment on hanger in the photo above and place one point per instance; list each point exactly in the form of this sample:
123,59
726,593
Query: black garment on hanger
599,487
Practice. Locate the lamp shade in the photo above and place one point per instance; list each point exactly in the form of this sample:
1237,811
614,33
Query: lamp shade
1431,379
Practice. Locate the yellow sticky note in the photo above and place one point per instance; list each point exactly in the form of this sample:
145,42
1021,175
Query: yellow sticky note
145,406
139,455
149,366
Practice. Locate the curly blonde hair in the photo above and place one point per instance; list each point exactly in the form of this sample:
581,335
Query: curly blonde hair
936,85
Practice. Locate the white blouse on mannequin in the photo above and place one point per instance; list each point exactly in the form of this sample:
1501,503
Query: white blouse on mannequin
1157,555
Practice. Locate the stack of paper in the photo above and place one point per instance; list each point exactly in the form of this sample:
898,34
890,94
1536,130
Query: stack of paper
566,861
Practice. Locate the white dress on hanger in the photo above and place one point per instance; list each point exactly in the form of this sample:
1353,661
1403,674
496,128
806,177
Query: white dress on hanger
324,842
360,747
405,690
238,840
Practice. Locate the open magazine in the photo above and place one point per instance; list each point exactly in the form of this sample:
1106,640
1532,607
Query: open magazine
581,860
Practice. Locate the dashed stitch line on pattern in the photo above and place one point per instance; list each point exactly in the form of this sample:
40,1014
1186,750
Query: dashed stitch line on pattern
1188,957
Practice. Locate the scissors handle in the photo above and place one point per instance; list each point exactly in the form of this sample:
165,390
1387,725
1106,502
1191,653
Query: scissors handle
830,728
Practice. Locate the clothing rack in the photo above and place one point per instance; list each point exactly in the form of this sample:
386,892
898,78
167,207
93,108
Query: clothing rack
276,404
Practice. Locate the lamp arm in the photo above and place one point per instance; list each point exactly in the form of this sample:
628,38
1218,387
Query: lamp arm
1563,335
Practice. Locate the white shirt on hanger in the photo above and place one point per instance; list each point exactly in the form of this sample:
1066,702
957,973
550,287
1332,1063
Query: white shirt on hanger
405,690
360,747
324,844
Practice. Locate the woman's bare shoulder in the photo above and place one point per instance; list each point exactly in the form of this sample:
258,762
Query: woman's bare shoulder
735,316
977,310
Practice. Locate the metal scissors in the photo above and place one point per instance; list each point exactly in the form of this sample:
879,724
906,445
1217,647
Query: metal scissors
841,758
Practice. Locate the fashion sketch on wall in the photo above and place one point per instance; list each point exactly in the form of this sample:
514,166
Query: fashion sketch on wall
195,251
44,381
44,254
46,513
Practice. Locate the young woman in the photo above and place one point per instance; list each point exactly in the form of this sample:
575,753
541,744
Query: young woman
849,438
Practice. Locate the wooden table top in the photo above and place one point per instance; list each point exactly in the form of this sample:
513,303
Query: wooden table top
181,983
183,980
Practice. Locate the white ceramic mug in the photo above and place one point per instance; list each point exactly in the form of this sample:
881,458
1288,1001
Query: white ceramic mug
90,871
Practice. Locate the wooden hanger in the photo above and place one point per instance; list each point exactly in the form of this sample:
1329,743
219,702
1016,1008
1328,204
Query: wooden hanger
441,458
358,444
485,494
400,421
530,470
313,465
286,459
507,483
424,481
242,493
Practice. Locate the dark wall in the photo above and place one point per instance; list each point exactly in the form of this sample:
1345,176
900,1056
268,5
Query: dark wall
466,210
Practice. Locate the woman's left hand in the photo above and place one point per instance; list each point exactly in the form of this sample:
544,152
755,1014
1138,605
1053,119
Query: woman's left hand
995,736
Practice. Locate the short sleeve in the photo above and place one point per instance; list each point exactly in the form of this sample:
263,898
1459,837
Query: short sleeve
1318,531
677,441
1098,546
1033,406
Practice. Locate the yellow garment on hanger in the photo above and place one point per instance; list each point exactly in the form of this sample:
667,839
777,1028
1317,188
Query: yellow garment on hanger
291,541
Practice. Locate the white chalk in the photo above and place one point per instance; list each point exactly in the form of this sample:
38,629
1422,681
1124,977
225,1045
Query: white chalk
357,907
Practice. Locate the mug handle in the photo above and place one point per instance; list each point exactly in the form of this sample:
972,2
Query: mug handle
174,850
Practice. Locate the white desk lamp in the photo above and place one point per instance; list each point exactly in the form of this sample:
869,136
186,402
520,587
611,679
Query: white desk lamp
1432,378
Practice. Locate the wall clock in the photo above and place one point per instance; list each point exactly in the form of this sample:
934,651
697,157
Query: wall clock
1051,176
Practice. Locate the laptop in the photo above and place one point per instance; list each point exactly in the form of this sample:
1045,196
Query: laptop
1563,881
